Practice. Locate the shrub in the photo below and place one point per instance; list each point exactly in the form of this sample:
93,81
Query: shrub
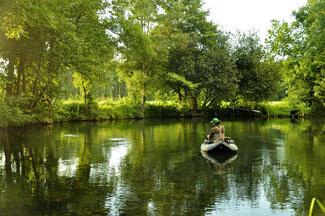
118,109
161,109
72,109
11,114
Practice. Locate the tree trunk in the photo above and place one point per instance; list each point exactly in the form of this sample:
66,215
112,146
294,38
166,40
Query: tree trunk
143,105
10,77
180,96
23,82
86,95
194,103
85,100
20,77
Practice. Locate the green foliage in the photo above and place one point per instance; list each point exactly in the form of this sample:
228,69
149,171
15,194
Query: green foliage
75,110
85,85
179,81
199,66
219,76
163,109
70,110
118,55
11,114
40,41
259,74
139,63
137,85
122,109
80,82
300,45
276,108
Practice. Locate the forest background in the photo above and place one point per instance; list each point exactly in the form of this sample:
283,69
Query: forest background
65,60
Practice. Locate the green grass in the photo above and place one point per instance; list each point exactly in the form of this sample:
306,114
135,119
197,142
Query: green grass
107,108
281,108
74,110
69,110
118,109
163,109
276,108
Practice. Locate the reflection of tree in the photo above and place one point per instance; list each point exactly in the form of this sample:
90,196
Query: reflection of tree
283,187
37,179
295,176
83,170
168,182
308,152
7,153
162,173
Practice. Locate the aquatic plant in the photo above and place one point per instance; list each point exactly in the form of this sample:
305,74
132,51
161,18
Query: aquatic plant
312,205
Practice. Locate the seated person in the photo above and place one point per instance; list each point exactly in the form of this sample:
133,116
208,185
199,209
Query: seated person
217,132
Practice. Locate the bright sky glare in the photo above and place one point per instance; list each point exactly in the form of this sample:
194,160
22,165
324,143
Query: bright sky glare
245,15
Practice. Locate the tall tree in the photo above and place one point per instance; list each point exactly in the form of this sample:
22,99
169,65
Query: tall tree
258,73
200,68
301,46
134,22
44,39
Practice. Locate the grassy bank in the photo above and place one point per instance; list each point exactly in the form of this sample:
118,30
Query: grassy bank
106,109
74,110
282,109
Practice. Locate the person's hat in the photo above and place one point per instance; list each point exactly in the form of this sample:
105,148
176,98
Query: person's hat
215,121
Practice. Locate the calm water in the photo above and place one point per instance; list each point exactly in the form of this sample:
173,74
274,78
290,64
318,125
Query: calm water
155,167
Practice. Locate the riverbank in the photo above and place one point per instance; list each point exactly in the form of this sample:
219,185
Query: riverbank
106,109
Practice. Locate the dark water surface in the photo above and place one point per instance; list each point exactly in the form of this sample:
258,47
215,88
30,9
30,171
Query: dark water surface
155,167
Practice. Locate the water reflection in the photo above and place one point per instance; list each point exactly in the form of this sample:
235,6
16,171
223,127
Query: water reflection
156,168
220,161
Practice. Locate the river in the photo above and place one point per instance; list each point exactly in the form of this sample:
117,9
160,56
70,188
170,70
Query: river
155,167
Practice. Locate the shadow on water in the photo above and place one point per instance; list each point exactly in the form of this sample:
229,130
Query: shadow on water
220,158
220,161
155,167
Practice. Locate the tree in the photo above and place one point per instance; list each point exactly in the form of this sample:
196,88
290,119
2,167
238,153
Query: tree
84,86
134,22
258,73
44,39
198,55
300,45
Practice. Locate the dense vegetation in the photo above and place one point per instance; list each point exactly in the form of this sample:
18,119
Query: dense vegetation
90,59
